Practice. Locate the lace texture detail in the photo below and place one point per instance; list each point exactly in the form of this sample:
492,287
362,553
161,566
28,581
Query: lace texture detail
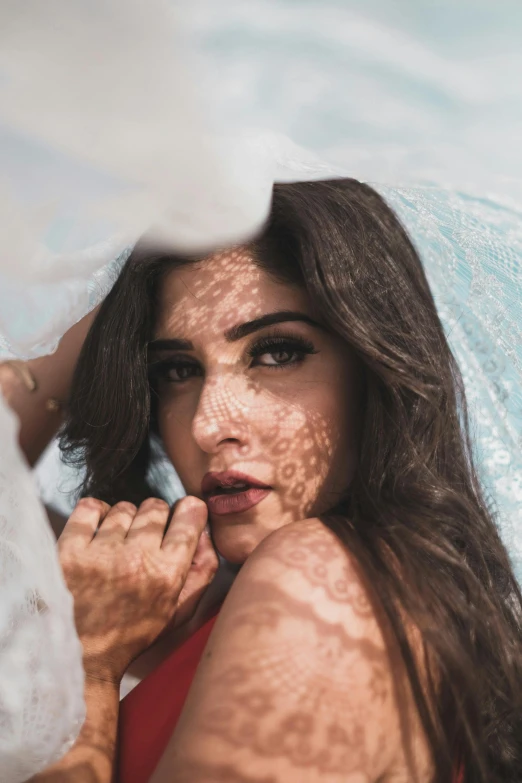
34,317
41,674
472,251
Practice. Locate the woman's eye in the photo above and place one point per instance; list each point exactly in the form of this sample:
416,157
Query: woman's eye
280,352
177,372
279,357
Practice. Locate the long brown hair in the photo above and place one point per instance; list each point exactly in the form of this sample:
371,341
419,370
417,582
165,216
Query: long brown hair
415,518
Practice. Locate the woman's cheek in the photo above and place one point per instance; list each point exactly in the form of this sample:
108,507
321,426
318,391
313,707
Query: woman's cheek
175,443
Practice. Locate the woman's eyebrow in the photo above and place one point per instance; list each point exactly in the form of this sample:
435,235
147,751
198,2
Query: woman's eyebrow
243,330
170,344
236,332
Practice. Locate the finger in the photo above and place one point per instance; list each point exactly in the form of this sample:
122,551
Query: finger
188,521
117,522
205,554
181,539
148,526
201,573
83,522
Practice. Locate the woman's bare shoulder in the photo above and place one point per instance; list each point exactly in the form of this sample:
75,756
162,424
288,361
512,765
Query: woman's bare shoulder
304,564
296,681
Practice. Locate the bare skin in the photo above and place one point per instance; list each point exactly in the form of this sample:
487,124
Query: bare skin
130,581
297,683
286,417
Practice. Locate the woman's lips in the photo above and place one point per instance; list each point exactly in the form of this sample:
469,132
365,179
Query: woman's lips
237,502
220,501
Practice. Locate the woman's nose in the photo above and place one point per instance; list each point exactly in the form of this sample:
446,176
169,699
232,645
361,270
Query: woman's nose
221,416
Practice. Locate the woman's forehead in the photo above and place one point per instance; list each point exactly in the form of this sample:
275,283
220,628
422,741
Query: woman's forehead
221,290
210,276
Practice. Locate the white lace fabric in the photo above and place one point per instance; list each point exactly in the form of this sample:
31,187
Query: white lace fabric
41,677
472,252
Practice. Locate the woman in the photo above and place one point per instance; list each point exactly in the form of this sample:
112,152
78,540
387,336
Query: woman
303,388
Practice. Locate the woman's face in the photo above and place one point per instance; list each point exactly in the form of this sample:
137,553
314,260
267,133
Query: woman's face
257,402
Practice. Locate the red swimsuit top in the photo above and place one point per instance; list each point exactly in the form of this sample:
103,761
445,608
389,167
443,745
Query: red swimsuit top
149,713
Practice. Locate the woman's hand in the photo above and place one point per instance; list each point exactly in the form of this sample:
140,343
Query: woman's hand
131,576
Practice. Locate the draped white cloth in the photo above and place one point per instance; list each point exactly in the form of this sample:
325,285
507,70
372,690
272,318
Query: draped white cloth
41,679
115,116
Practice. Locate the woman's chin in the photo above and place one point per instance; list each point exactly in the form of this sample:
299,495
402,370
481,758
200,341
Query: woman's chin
235,542
236,535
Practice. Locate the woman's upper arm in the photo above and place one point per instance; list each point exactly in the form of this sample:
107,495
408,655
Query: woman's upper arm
295,683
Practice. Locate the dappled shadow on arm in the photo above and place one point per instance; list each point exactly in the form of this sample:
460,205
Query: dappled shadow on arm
296,681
